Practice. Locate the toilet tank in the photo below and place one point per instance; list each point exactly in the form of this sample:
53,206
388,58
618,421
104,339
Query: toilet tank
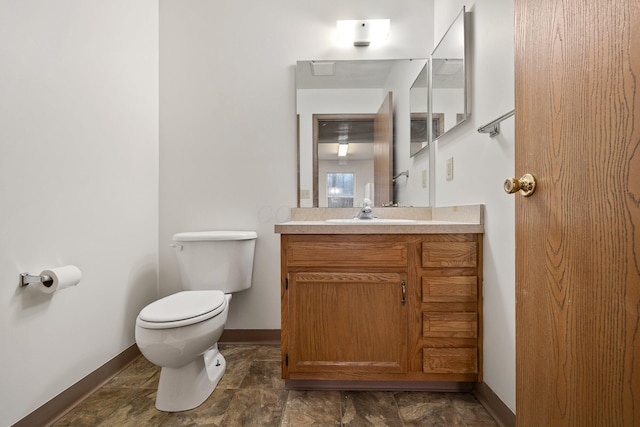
220,260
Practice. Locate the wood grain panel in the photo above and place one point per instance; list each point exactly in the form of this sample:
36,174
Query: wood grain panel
451,306
449,254
450,289
445,325
450,360
441,342
577,71
383,152
347,322
337,254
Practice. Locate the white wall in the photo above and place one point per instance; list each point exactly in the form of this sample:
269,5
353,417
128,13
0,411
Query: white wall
481,165
228,149
78,185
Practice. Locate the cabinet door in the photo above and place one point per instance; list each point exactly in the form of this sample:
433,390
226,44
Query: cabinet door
349,323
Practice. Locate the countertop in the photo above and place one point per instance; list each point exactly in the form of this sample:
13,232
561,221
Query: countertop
439,220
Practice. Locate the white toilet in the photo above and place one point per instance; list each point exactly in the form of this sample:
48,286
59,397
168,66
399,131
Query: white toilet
180,332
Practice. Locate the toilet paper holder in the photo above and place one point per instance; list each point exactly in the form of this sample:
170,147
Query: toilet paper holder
26,278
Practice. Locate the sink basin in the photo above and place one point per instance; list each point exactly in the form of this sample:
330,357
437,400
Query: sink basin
380,221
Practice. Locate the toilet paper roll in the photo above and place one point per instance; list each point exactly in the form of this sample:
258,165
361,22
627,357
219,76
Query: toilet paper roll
62,277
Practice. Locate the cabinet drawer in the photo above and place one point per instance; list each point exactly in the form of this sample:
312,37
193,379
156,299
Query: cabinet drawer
449,254
450,360
352,254
449,325
450,289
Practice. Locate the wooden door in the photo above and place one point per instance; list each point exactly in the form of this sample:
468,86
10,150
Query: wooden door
383,152
577,104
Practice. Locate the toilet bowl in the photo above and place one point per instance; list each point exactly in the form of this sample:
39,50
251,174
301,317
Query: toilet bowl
180,332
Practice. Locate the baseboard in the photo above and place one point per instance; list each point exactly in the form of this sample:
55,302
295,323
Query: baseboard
59,405
250,336
496,407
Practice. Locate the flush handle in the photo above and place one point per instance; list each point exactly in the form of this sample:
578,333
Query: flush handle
525,185
403,300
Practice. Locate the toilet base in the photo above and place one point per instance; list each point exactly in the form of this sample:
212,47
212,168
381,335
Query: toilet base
187,387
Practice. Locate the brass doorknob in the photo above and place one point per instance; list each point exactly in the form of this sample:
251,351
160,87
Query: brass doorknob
526,185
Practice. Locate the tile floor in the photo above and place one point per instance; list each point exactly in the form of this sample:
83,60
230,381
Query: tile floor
252,394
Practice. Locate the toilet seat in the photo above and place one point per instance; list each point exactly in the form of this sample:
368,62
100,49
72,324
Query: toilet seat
182,309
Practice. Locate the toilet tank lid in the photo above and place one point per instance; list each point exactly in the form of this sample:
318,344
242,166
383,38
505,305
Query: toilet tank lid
195,236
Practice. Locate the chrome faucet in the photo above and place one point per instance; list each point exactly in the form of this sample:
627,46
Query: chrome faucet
366,212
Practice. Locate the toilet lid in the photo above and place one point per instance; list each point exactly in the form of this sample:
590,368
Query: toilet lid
201,236
185,308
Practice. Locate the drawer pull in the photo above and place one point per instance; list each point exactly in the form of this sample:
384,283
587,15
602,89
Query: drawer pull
403,301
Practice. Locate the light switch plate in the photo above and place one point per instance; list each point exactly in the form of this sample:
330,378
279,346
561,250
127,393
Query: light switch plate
450,169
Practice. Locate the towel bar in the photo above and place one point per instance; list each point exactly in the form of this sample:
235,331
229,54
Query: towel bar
493,128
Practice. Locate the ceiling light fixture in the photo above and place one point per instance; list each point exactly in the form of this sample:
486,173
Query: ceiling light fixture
342,150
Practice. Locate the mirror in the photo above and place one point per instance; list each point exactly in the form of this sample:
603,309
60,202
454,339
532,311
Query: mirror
351,105
448,70
419,107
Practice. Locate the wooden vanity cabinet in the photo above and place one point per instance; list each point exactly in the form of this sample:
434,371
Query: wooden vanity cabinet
383,307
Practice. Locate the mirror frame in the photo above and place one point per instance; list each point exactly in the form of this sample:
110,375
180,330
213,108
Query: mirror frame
416,146
462,19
